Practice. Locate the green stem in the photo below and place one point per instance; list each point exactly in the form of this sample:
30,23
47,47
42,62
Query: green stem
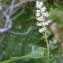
12,59
15,59
47,44
45,35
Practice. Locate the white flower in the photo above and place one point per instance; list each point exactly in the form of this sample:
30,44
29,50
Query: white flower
46,14
39,24
49,21
46,23
39,4
37,14
38,11
41,30
41,18
43,9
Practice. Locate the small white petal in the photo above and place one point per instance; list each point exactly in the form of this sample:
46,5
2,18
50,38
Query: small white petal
41,18
38,11
39,4
39,24
46,14
41,30
46,23
49,21
38,14
43,9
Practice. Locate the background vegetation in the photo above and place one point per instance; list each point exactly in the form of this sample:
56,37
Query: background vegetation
18,47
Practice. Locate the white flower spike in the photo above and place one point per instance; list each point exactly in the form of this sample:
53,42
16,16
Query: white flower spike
41,16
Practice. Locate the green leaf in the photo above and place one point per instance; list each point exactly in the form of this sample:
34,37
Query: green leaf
37,52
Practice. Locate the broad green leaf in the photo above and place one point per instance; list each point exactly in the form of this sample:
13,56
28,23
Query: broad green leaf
37,52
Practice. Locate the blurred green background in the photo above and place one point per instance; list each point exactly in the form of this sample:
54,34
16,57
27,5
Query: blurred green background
17,45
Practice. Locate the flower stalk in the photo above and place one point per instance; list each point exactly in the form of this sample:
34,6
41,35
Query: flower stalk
42,22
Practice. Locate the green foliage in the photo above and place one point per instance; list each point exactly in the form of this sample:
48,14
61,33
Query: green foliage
31,48
57,15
